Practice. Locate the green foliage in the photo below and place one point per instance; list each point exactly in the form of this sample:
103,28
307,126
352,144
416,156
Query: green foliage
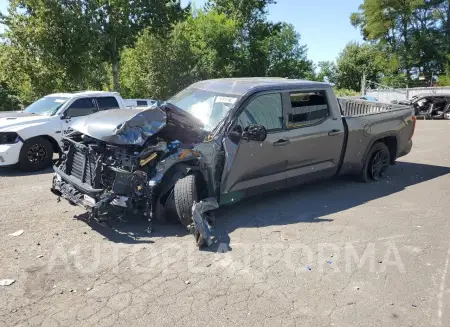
148,48
415,32
356,60
201,47
285,56
345,93
206,45
327,72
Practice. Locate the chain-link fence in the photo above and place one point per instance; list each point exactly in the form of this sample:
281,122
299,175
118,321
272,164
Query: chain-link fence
389,94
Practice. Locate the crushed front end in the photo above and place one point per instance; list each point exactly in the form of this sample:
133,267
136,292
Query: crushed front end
117,167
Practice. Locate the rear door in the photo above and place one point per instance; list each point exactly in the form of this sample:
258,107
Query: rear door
253,167
106,103
316,135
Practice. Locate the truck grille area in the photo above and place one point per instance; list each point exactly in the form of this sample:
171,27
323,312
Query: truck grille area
82,166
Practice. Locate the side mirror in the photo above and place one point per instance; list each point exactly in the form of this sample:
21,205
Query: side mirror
65,115
255,133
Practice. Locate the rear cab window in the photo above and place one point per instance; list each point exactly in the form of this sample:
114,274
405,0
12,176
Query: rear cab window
141,103
307,108
106,103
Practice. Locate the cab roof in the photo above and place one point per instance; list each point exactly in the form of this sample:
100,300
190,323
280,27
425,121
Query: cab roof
83,93
240,86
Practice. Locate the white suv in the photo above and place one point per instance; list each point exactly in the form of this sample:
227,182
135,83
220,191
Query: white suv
29,138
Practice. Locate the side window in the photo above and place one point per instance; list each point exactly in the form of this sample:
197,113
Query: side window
266,110
141,103
308,108
81,107
105,103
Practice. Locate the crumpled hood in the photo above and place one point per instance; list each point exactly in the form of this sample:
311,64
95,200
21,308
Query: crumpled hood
133,126
122,126
14,121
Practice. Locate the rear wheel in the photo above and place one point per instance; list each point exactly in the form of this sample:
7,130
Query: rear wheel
36,154
377,163
185,193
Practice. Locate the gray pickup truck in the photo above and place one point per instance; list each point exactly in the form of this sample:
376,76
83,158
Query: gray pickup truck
219,141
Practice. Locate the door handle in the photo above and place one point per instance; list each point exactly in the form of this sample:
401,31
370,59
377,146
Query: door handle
334,132
281,142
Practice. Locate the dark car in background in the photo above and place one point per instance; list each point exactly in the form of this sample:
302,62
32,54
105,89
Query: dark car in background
429,106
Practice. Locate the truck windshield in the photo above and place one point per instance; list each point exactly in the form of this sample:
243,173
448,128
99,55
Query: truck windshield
46,106
208,106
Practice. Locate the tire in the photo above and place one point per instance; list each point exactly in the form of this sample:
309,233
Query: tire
378,155
185,193
36,154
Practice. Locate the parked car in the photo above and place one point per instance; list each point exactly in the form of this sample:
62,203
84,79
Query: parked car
136,103
432,106
219,141
429,106
30,137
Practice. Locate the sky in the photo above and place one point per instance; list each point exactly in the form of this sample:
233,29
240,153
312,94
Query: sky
324,25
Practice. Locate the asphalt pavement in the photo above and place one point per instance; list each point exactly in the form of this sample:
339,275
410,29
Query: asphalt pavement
333,253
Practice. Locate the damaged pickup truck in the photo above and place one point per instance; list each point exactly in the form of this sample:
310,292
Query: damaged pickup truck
219,141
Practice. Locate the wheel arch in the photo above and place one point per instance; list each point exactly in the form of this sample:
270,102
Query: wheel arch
55,146
390,139
176,172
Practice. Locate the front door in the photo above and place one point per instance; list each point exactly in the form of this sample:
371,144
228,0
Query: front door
254,167
316,137
79,108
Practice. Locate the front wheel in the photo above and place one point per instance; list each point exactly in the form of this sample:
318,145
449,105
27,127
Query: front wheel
185,194
377,163
36,154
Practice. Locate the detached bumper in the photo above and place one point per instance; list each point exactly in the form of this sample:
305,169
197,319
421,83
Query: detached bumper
407,149
9,154
83,195
62,188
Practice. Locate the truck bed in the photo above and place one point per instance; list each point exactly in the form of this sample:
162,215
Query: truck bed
367,122
358,108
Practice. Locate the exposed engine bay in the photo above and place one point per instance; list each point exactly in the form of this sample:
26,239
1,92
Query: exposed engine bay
126,161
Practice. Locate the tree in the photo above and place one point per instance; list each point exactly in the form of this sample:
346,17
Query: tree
251,19
354,61
327,72
58,37
286,56
121,21
202,47
417,32
77,36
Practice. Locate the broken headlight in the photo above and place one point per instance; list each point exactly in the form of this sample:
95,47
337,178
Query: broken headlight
9,138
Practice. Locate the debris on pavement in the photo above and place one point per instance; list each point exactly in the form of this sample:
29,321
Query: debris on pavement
7,282
18,233
201,228
329,262
308,268
187,282
40,256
